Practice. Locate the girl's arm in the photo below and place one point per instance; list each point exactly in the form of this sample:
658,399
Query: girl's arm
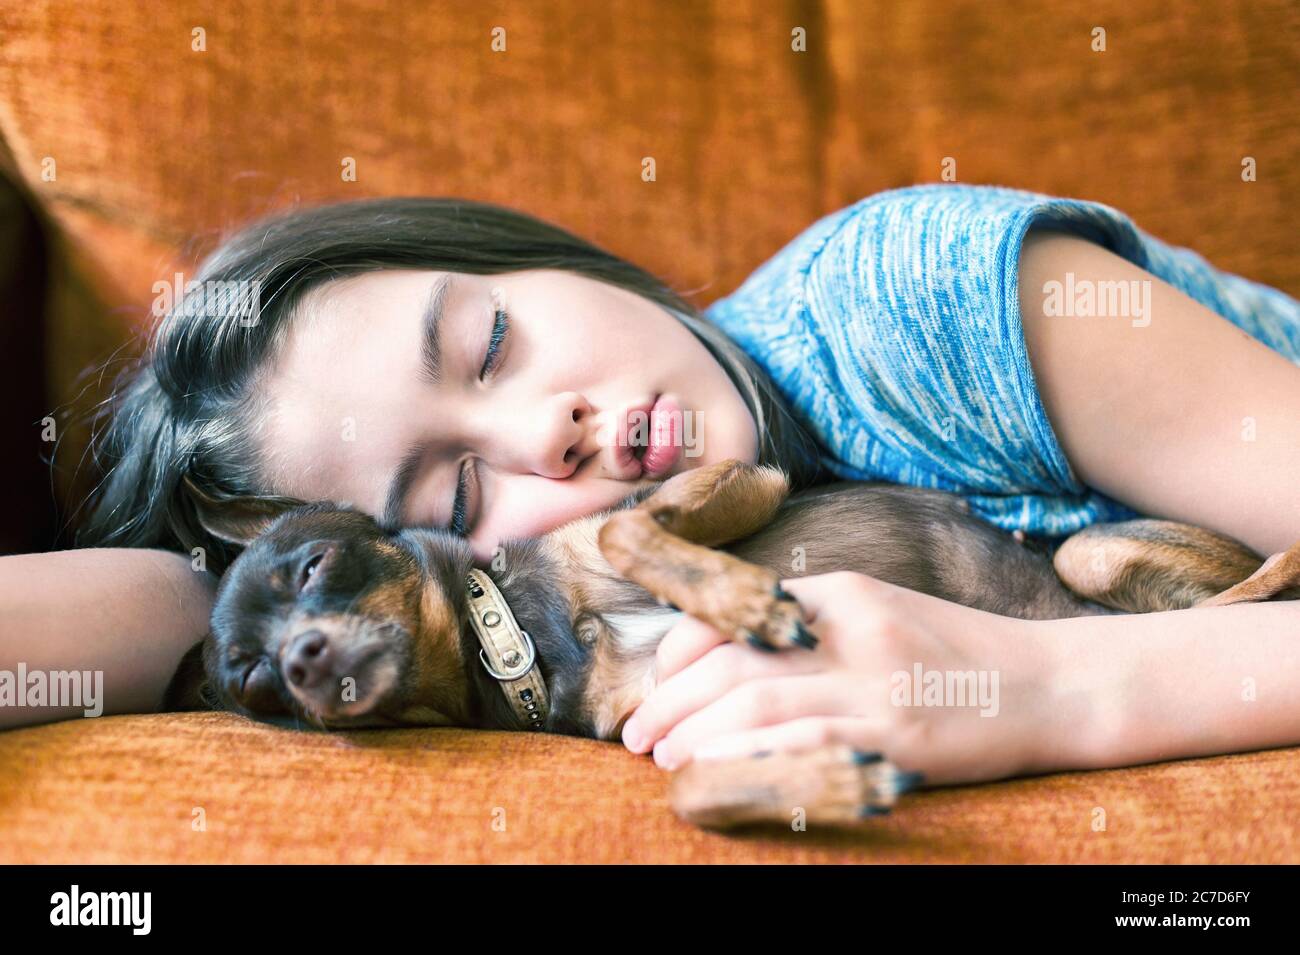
1191,419
1187,418
1152,687
131,614
1010,697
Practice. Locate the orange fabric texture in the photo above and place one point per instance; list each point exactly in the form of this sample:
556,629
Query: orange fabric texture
134,789
158,147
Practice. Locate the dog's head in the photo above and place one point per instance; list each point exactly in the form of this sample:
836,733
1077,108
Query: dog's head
327,618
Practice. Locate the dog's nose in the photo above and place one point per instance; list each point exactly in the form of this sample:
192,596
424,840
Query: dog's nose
308,661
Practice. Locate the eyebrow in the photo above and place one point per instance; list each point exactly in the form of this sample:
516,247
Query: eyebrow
399,485
431,329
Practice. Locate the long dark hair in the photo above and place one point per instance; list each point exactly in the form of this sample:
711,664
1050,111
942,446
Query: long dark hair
182,410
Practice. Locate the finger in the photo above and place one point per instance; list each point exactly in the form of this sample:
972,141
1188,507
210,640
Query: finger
687,641
808,732
820,594
753,704
701,683
848,599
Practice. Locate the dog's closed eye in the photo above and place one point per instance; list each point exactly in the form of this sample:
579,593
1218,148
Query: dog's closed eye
259,689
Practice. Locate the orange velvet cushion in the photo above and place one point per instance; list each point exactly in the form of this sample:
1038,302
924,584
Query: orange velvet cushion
125,789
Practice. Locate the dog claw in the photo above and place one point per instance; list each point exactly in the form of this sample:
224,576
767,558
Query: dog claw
867,812
906,782
803,636
863,758
762,613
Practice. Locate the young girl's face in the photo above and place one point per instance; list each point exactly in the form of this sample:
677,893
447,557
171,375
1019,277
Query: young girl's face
498,406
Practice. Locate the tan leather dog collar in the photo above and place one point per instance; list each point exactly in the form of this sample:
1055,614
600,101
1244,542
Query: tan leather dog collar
508,653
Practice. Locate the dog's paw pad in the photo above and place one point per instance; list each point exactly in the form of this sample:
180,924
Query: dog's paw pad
777,622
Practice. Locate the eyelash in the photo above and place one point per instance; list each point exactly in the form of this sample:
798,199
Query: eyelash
500,328
491,358
457,524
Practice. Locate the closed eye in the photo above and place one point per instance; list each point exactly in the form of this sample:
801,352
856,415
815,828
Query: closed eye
492,355
466,483
259,689
248,673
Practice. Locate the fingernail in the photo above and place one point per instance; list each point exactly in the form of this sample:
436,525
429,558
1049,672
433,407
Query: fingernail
665,758
633,737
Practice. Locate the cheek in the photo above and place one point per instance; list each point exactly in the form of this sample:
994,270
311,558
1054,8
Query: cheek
528,506
728,432
590,358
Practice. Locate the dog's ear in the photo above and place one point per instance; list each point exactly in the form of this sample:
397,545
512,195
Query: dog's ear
236,520
186,689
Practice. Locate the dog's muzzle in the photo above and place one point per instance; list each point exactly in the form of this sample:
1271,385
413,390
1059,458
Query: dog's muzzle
507,652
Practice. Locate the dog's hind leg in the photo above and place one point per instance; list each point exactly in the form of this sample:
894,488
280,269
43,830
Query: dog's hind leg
829,784
1279,576
1143,566
664,544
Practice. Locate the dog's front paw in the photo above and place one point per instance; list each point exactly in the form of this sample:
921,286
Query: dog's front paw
831,784
753,608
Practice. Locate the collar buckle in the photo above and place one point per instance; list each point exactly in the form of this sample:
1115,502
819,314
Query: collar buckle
511,658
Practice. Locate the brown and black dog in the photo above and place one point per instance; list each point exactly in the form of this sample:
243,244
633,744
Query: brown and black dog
328,619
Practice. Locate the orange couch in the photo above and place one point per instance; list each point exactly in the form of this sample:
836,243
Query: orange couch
213,787
138,135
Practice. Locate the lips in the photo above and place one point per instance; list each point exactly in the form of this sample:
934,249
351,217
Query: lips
648,443
665,447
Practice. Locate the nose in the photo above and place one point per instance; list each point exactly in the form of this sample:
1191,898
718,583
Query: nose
553,438
308,661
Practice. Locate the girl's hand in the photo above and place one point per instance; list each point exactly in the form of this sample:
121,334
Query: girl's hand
984,708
